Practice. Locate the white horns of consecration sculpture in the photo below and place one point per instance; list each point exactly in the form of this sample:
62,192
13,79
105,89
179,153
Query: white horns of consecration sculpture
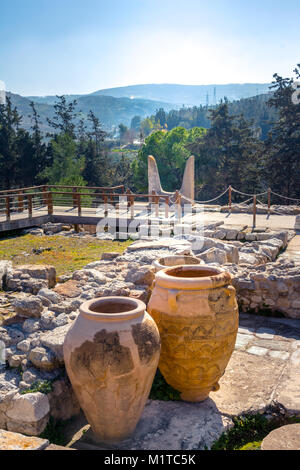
187,189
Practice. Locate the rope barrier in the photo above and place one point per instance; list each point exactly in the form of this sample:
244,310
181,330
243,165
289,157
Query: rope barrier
210,200
285,197
261,203
241,203
246,194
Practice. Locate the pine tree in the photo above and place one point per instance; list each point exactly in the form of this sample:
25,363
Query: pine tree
9,152
63,120
226,155
282,147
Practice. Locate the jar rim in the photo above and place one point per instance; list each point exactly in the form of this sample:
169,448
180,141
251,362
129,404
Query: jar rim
176,277
115,306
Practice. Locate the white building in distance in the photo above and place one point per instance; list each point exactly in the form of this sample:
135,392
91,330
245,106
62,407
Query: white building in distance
2,92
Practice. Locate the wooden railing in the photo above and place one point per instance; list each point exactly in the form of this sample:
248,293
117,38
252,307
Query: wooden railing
52,198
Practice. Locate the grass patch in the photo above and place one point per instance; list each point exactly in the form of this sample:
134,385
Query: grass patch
43,386
54,432
249,431
161,390
66,254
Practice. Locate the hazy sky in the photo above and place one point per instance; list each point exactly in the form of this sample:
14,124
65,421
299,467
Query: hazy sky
80,46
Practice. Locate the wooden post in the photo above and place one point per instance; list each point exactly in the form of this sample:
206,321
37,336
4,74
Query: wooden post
50,203
269,200
179,207
167,201
152,199
29,199
176,194
229,198
7,207
45,195
132,207
79,204
74,198
20,202
156,201
128,198
254,212
105,206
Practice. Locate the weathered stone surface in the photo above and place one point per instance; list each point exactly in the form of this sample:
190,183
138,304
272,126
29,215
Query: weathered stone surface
118,288
51,228
213,255
62,400
50,295
28,306
31,325
141,294
43,358
15,441
142,276
28,413
284,438
287,392
248,383
90,274
11,335
30,278
109,256
248,258
54,340
70,288
4,267
171,426
271,286
162,243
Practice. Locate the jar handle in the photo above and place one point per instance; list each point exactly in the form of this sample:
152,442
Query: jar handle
172,299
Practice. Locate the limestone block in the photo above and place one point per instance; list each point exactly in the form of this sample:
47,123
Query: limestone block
16,441
28,306
4,267
28,413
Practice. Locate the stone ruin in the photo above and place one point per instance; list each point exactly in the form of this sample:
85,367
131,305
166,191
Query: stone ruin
39,310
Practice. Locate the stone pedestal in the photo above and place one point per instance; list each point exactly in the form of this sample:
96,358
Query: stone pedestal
284,438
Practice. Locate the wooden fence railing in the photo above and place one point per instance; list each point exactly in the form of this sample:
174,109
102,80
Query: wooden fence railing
53,197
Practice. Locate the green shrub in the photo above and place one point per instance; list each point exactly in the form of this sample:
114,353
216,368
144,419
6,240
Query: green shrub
43,386
247,429
161,390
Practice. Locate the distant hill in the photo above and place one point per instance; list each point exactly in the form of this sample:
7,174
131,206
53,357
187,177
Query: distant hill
23,106
119,105
254,109
111,111
188,95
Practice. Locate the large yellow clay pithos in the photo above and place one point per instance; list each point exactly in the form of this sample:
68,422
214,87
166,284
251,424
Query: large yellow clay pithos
196,312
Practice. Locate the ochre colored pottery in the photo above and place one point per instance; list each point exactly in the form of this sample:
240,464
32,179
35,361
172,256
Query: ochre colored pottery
175,260
111,355
196,312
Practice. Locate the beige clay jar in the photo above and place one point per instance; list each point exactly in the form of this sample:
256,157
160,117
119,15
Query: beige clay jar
196,312
175,260
111,355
